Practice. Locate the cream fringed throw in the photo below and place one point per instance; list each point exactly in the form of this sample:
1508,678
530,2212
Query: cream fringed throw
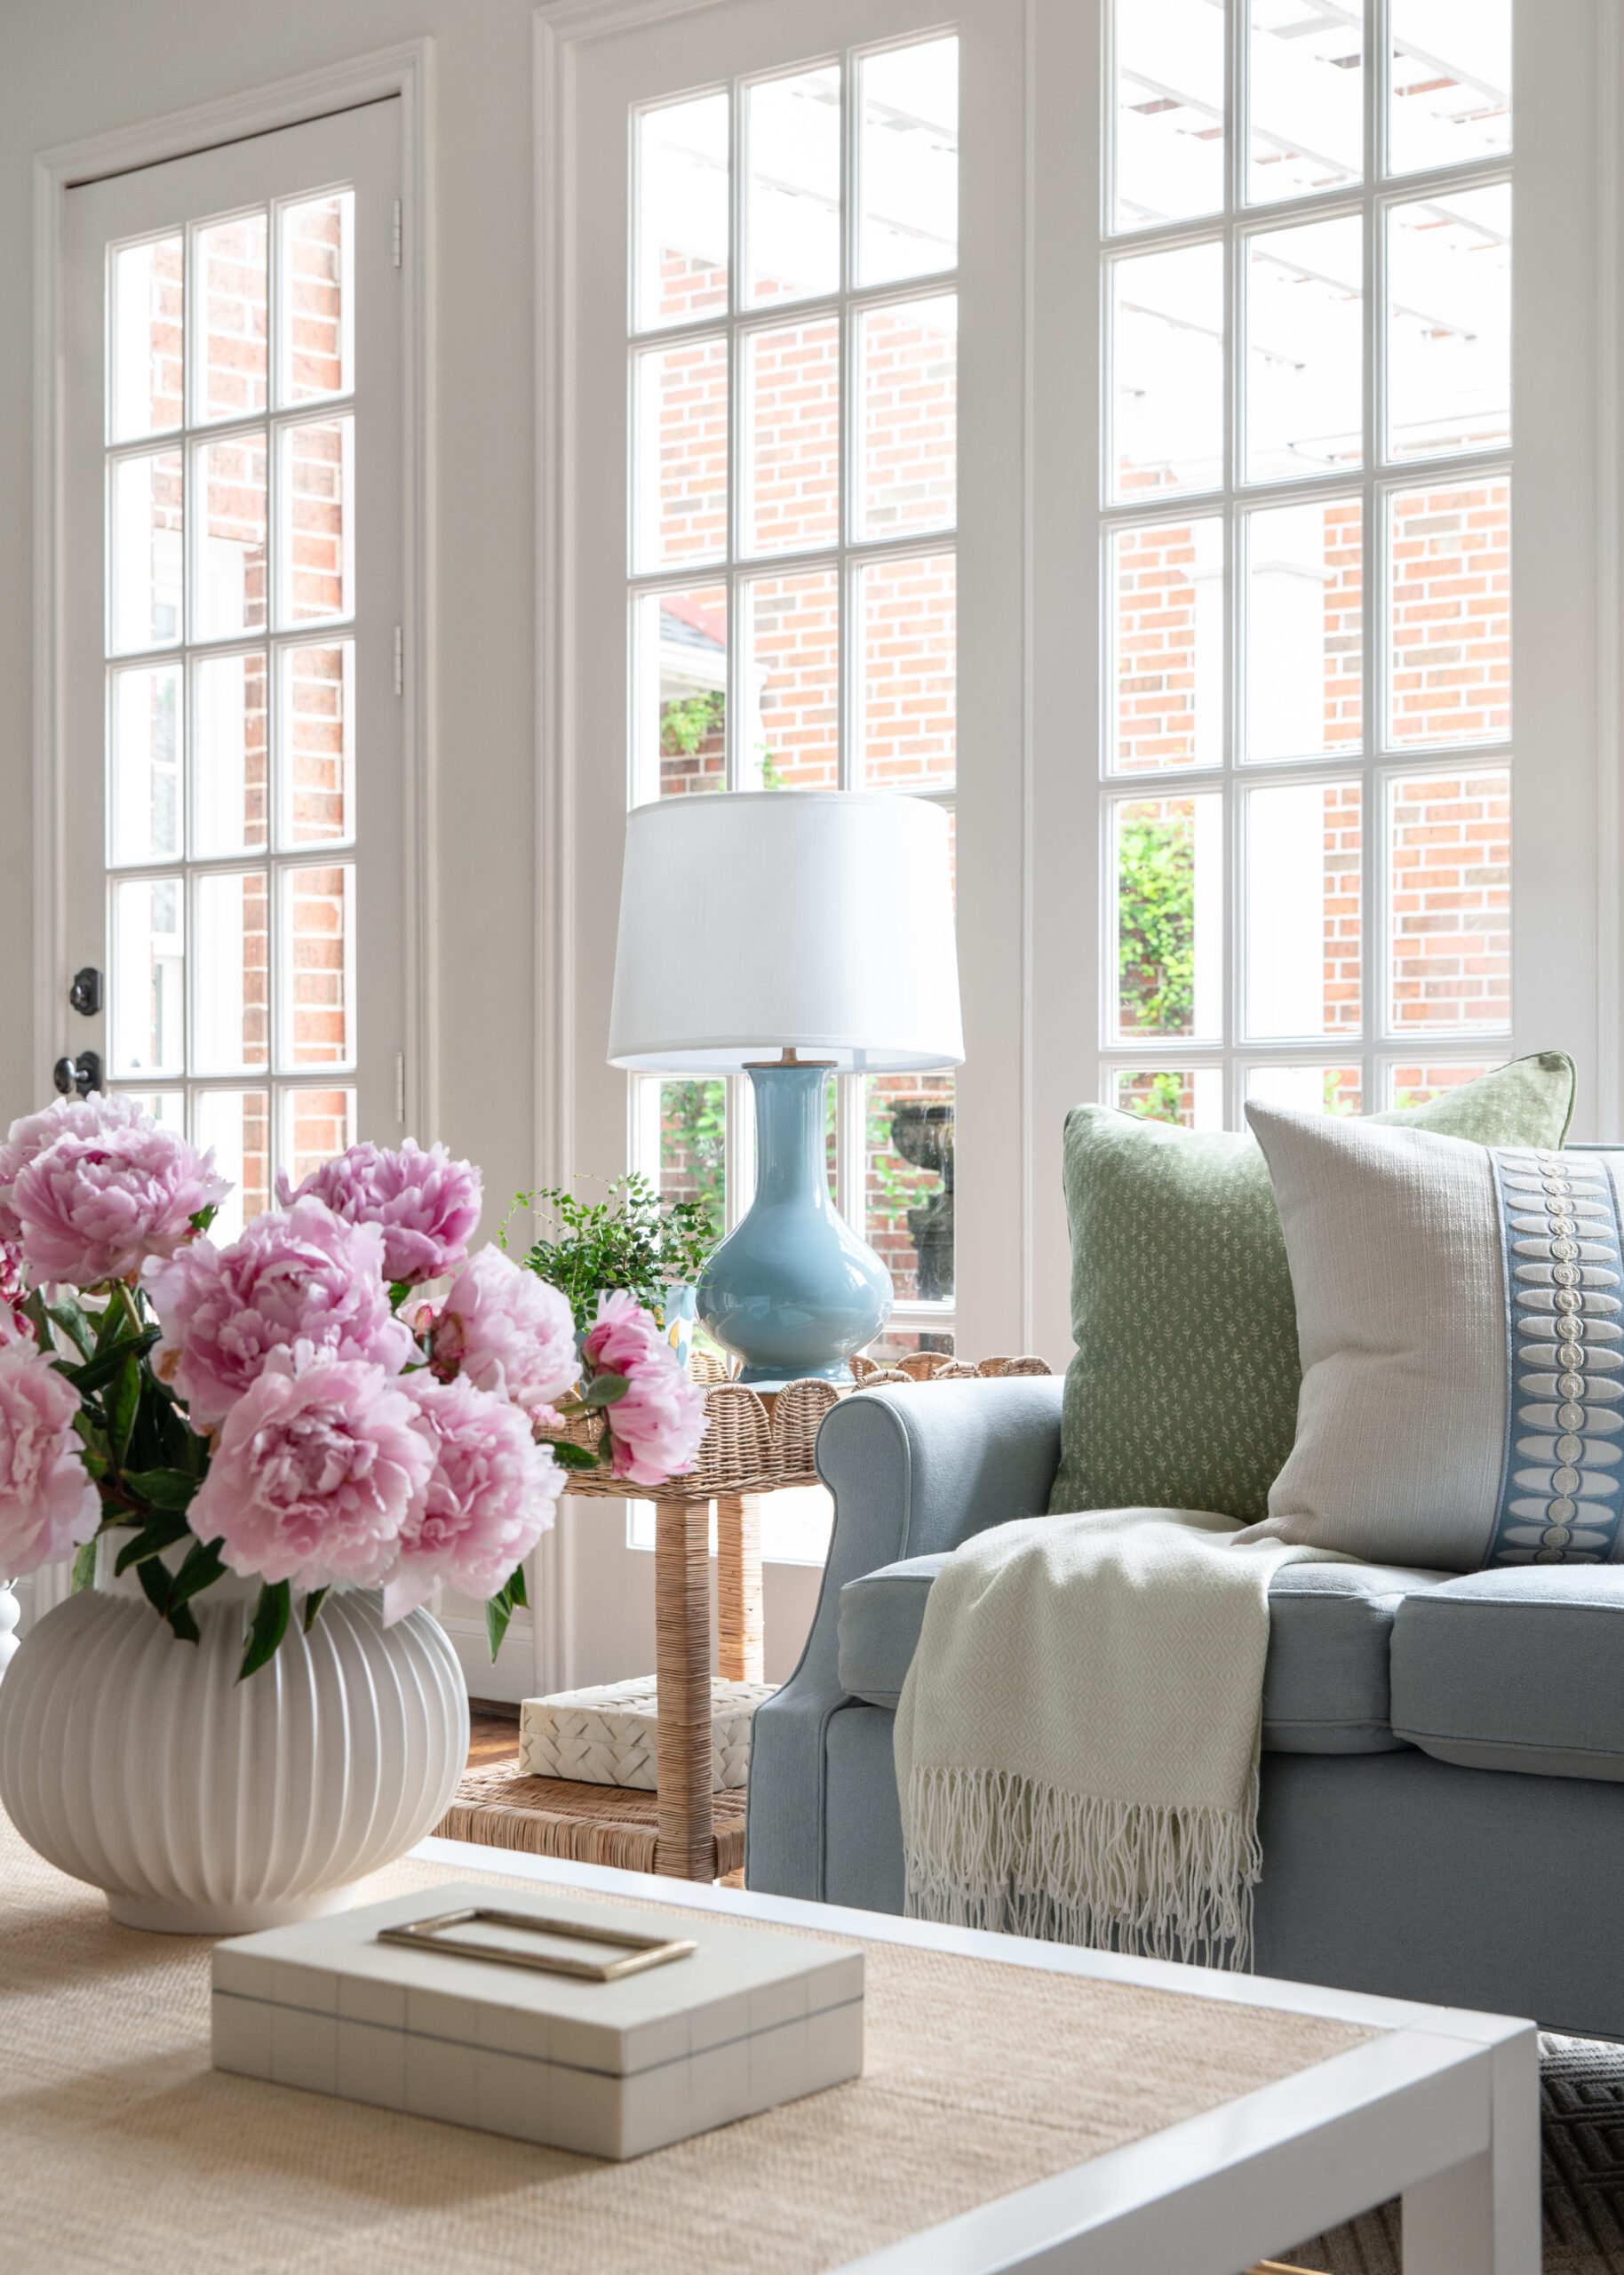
1077,1740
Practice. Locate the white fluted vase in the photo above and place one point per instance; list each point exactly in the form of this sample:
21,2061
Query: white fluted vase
204,1806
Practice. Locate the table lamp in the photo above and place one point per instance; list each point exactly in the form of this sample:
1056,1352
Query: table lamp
821,940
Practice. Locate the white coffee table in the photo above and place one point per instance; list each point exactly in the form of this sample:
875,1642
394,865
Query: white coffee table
1442,2106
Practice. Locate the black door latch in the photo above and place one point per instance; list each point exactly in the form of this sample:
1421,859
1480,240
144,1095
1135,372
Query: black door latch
85,994
82,1073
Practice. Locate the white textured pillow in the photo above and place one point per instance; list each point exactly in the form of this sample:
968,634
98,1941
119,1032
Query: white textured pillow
1458,1315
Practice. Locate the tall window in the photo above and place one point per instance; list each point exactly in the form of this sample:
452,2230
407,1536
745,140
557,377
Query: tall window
792,337
1306,763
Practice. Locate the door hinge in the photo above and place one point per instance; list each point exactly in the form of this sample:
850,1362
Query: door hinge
399,1089
400,662
397,232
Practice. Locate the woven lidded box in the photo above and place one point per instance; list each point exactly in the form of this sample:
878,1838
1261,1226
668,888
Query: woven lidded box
745,2019
606,1737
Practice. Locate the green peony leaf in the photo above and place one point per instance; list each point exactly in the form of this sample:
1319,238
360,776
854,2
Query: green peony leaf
267,1627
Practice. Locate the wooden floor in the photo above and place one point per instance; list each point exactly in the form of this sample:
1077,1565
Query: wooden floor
494,1735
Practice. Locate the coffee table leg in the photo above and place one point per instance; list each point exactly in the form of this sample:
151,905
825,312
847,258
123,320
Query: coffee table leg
1482,2217
738,1586
682,1668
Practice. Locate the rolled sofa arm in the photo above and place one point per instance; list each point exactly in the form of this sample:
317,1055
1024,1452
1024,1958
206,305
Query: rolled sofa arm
913,1470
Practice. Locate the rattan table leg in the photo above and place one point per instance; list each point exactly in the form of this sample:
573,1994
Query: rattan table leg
682,1668
738,1587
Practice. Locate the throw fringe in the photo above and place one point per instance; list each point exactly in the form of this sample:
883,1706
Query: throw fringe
988,1849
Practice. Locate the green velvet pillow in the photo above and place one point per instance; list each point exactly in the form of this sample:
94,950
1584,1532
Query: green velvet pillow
1183,1392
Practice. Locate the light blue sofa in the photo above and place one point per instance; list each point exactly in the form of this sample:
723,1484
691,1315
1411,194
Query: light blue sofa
1443,1776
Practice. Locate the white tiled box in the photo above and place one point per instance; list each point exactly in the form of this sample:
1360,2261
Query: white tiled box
751,2018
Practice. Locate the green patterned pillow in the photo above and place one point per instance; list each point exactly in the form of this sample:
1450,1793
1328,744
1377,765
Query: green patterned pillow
1182,1394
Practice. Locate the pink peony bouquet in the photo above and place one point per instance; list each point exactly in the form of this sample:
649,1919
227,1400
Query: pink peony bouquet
272,1407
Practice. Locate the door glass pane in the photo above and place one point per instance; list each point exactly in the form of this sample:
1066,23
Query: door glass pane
1168,385
1169,870
681,457
1306,76
908,1182
1305,349
318,297
1450,82
1412,1081
792,437
146,545
681,252
1449,323
232,971
1169,152
229,756
315,1126
1449,666
1307,1089
1304,630
906,611
1190,1096
148,299
144,725
793,222
1449,851
318,965
680,677
237,1124
318,725
230,594
1169,643
148,970
908,454
166,1107
694,1147
318,521
791,682
231,302
908,161
1302,909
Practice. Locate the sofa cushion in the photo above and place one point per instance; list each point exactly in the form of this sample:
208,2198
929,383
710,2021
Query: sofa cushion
1515,1670
1325,1682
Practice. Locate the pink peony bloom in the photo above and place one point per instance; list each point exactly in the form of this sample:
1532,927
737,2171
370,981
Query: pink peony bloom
94,1206
505,1330
656,1426
31,1133
318,1467
304,1277
48,1505
427,1204
490,1498
14,1291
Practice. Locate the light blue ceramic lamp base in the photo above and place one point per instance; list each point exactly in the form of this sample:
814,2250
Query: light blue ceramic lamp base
793,1290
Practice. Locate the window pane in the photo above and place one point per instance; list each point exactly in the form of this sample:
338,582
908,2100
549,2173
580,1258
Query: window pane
1305,349
229,596
1304,630
1450,613
907,463
1302,909
237,1124
147,318
229,755
1169,151
1307,118
1169,856
792,437
1449,323
316,1125
793,225
232,971
1190,1096
1167,384
166,1107
145,724
318,727
149,972
146,551
1450,84
791,682
907,723
679,730
682,211
694,1147
318,964
231,299
908,162
318,521
1307,1089
1449,839
1412,1081
318,296
908,1182
682,454
1169,640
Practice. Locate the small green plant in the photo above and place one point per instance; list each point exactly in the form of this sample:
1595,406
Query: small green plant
684,726
631,1239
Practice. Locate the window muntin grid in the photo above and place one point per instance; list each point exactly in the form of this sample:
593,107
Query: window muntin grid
1289,623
